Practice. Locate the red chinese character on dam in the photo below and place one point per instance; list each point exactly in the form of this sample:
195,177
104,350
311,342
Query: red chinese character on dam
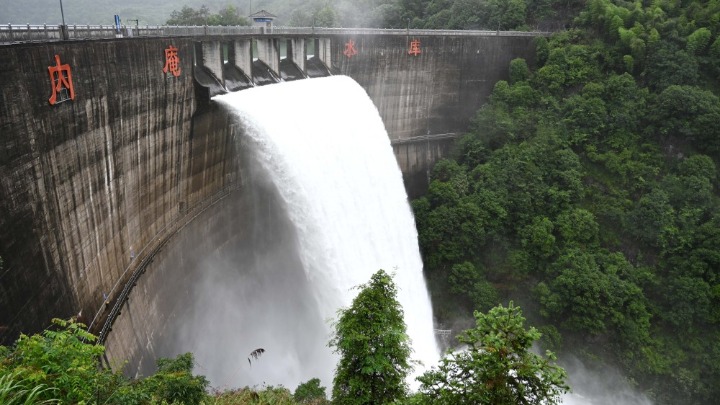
61,81
414,48
172,61
350,50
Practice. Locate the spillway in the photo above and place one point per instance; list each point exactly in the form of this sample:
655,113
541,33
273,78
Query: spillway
326,208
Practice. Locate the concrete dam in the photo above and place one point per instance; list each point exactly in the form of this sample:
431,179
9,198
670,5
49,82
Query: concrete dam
117,169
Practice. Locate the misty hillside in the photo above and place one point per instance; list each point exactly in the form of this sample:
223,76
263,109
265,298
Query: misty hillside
102,11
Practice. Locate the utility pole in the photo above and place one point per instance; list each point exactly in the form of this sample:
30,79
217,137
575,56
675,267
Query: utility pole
62,13
63,27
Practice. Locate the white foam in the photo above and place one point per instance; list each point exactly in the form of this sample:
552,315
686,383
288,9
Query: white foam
323,145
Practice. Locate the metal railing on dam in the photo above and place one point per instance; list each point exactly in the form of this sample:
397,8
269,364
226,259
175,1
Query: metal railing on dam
12,33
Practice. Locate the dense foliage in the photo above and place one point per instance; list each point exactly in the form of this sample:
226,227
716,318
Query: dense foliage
430,14
434,14
228,16
311,392
373,345
438,14
62,366
57,365
587,188
495,366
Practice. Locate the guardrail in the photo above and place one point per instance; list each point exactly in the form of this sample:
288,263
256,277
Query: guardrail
11,33
411,31
25,33
425,138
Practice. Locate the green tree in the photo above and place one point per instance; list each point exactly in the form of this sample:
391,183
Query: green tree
189,16
373,345
652,218
519,70
175,383
269,395
15,391
697,165
584,116
506,14
64,358
228,16
61,365
470,282
497,367
577,226
300,18
538,237
698,41
310,392
668,65
692,113
593,293
467,14
325,17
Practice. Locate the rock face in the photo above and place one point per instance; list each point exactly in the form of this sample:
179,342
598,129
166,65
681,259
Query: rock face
91,189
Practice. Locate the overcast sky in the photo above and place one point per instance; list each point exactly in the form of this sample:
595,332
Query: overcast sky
103,11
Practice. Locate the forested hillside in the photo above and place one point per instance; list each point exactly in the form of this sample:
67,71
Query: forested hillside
101,11
452,14
587,189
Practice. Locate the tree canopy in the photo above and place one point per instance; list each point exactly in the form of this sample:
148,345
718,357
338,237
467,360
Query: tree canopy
229,16
62,366
496,366
373,345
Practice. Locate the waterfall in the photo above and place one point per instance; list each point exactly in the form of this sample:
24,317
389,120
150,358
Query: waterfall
330,210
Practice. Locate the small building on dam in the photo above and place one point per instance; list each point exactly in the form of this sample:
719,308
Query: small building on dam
112,152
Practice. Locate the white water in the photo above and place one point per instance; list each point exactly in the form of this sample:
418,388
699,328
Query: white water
598,385
324,149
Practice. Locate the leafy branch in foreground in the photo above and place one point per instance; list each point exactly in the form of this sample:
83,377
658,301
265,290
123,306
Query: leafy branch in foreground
14,391
373,345
497,366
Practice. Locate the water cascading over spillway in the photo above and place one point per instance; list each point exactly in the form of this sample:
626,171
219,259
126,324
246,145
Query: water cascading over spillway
330,202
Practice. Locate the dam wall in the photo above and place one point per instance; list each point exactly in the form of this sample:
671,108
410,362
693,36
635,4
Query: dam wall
435,89
90,187
96,191
428,87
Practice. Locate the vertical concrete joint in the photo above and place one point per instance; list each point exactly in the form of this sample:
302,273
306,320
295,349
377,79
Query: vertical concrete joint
241,56
298,53
212,58
323,51
269,53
